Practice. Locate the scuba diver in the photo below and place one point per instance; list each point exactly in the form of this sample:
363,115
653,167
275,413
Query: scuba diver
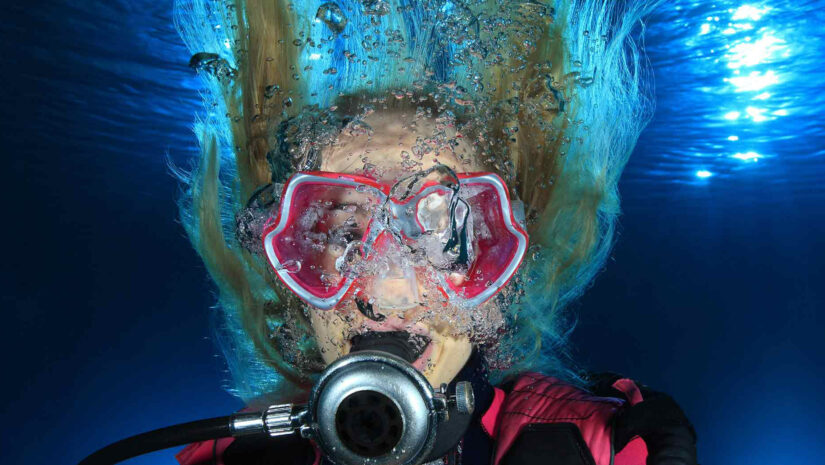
397,201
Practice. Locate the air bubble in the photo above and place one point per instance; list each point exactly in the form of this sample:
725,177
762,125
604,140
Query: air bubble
376,7
331,15
213,64
290,266
270,91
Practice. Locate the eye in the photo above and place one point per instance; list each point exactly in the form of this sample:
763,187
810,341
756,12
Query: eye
345,226
343,234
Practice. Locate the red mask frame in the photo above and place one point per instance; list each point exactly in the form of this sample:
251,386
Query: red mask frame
287,235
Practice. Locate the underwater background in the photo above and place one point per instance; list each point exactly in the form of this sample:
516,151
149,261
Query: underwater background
713,292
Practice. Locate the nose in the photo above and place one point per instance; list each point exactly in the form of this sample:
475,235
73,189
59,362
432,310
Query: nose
394,285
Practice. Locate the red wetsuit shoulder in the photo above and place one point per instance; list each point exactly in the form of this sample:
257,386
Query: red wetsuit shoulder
542,414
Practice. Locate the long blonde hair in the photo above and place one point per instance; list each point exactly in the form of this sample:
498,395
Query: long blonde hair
553,95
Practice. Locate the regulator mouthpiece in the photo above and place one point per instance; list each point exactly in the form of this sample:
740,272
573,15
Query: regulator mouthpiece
399,343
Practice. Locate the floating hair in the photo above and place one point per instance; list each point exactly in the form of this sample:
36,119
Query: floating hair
562,114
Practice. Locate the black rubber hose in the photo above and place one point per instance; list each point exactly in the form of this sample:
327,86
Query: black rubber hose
164,438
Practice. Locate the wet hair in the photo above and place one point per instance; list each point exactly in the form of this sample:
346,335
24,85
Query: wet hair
554,97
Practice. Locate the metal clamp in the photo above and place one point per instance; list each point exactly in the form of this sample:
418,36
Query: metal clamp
276,420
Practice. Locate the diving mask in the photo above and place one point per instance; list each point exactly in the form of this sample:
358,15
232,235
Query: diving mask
331,227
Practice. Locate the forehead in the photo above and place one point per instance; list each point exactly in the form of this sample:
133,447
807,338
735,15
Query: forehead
391,145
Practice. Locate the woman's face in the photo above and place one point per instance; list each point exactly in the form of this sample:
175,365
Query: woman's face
390,147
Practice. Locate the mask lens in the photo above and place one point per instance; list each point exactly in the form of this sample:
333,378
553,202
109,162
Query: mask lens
318,244
495,247
443,229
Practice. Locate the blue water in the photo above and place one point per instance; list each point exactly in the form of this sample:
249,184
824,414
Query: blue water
713,293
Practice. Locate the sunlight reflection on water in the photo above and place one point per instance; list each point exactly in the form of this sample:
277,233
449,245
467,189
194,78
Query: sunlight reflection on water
736,83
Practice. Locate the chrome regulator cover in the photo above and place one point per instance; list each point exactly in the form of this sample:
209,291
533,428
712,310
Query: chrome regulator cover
371,407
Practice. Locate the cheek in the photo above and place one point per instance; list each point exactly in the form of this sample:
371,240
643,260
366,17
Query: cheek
478,325
328,329
332,330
